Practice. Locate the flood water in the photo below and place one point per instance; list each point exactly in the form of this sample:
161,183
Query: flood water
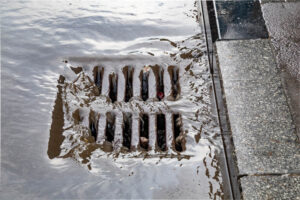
36,37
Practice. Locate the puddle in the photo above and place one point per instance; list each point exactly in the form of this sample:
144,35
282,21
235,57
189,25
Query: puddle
74,143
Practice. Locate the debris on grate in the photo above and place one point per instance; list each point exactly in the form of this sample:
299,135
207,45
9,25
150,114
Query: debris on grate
178,134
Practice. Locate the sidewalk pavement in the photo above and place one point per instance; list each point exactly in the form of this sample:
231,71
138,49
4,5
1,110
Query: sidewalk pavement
262,108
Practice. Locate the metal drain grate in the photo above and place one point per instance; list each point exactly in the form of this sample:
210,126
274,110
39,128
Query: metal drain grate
128,91
143,130
143,137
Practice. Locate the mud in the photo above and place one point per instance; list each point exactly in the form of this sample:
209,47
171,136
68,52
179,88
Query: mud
76,70
172,43
56,131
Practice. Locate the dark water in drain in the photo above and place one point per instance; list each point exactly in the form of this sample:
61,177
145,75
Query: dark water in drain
144,131
127,129
145,86
98,77
161,131
36,37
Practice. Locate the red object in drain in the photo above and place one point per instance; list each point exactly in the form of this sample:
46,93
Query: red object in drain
160,95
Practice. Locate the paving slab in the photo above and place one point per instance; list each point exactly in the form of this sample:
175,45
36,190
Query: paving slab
282,21
271,187
262,128
240,19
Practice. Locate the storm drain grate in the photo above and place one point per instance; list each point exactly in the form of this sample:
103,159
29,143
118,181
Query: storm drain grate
144,131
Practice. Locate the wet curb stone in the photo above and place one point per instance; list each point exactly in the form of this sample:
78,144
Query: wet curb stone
261,123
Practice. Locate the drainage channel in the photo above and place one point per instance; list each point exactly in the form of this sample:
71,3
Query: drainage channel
229,20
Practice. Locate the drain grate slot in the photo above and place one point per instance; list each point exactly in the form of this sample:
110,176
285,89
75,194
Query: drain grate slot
127,129
93,123
144,76
144,131
110,126
177,130
161,131
159,75
98,77
174,77
128,74
93,130
113,87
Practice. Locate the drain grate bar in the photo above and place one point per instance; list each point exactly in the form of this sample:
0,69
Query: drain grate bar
131,130
169,131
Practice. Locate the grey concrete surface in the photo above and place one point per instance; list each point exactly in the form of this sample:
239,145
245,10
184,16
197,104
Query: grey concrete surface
271,187
283,23
261,123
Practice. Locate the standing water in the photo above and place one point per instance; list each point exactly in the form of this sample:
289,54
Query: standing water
42,40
